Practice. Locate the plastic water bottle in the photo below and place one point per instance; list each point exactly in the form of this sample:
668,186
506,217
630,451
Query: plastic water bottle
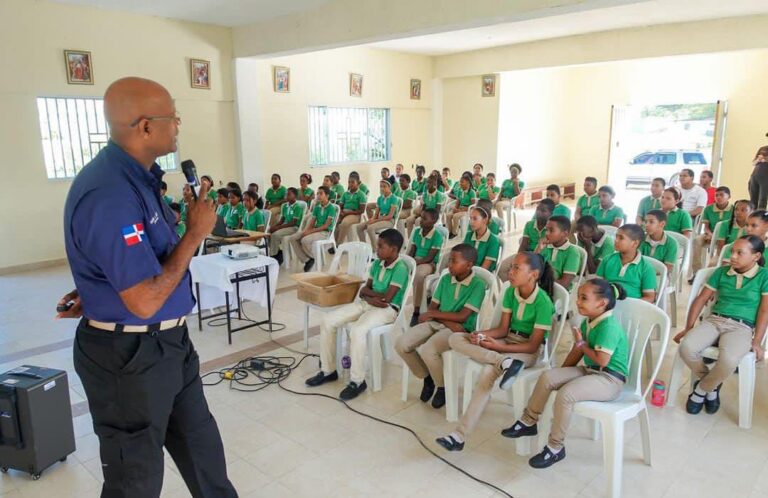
658,393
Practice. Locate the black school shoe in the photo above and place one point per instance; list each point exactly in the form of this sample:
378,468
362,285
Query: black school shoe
427,390
692,406
449,443
414,319
546,458
510,374
321,378
712,405
309,264
352,390
519,429
438,401
279,257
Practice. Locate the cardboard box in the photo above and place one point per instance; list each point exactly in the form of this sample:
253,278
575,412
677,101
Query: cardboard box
324,289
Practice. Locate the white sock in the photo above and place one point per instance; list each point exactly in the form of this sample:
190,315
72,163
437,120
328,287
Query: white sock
698,395
506,363
456,437
712,395
554,451
524,424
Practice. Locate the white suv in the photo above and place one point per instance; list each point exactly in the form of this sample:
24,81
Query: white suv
643,168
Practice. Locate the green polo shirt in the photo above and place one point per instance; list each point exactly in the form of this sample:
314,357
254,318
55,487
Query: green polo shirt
712,215
664,250
452,296
678,220
531,231
508,188
450,183
419,186
488,247
181,228
635,277
306,192
465,197
563,259
396,188
363,188
600,249
235,215
424,244
433,200
534,312
738,295
275,195
482,192
291,212
383,277
494,227
352,201
339,189
321,214
385,204
647,203
731,235
223,210
562,210
607,216
407,195
606,334
168,199
251,221
184,209
587,203
213,195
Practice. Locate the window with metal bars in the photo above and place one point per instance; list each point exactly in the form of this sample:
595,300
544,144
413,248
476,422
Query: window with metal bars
348,134
73,131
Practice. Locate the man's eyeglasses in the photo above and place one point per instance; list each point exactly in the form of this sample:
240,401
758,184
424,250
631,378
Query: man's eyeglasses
155,118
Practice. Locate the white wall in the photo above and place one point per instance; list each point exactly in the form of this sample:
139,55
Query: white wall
33,36
273,128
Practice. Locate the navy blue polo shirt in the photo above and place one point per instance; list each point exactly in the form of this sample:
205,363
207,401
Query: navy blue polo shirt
117,233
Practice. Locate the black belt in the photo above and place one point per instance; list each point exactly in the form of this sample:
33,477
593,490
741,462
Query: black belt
526,335
740,320
609,371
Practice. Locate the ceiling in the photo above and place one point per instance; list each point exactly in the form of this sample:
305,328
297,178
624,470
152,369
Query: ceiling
221,12
590,21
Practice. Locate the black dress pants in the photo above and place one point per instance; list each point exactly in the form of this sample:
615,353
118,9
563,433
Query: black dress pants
144,392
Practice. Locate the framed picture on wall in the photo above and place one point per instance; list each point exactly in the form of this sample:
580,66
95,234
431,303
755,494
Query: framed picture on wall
489,85
415,89
281,78
355,85
79,67
200,73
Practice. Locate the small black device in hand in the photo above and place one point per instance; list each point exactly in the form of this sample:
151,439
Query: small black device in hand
190,173
61,308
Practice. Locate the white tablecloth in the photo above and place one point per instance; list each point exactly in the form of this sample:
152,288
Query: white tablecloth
213,273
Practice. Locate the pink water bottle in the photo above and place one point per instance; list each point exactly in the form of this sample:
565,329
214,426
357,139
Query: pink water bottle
658,393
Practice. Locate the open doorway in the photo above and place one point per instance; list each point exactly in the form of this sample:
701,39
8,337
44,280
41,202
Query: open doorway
650,141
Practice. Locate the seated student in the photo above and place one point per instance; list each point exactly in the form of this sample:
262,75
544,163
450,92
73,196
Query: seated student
736,226
337,187
465,197
253,218
594,240
385,176
720,210
553,194
234,186
561,255
234,217
454,308
493,225
383,216
287,225
656,244
352,204
213,193
180,228
432,198
222,202
446,184
627,267
275,197
589,200
607,213
317,228
306,194
602,343
651,202
678,220
164,191
705,181
736,325
488,191
380,299
477,169
510,189
425,249
757,225
419,184
407,195
534,230
254,189
362,186
328,182
526,319
482,239
477,181
186,200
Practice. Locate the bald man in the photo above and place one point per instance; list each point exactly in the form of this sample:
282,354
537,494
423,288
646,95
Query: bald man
132,350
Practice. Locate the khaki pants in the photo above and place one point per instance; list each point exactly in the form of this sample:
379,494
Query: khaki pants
456,221
342,229
413,219
276,239
733,340
422,271
434,336
302,246
700,248
491,371
501,207
573,384
404,214
504,267
275,210
360,317
371,229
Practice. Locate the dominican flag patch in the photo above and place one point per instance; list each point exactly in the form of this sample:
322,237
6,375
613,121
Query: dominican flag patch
133,234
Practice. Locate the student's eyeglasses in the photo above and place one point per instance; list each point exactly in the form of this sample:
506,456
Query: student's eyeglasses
138,120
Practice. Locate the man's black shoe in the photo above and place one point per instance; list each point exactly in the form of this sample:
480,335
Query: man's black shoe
427,390
510,374
309,264
352,390
321,378
438,401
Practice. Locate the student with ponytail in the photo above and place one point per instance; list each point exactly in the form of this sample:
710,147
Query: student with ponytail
736,325
514,344
602,343
482,239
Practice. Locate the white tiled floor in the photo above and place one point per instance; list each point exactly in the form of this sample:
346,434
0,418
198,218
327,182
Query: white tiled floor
281,444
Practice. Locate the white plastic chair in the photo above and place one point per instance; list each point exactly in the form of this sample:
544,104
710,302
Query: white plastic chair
502,226
288,255
680,268
526,379
711,252
320,247
746,365
639,319
430,282
610,230
267,217
510,213
359,255
661,278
